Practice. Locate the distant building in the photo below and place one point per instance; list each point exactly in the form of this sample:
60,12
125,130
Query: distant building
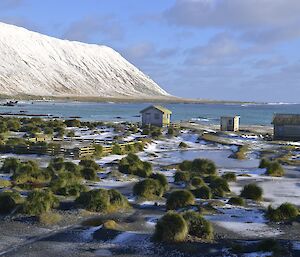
156,115
286,127
230,123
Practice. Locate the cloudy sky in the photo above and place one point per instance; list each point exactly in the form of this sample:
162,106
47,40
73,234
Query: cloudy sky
209,49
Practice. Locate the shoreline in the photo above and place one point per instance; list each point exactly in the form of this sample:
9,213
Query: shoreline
96,99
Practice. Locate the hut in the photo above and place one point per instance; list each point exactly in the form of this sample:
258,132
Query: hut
230,123
286,127
156,115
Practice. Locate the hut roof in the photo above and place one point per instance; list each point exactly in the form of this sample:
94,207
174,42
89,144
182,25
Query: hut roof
286,119
158,107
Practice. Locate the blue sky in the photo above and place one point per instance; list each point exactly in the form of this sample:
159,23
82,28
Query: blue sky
208,49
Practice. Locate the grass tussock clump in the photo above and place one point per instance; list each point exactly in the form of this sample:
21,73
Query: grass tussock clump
181,177
198,226
271,245
162,179
134,166
149,189
171,228
219,186
49,218
179,199
183,145
229,177
203,192
40,201
9,200
273,168
152,131
253,192
241,153
67,184
284,212
236,200
29,172
199,166
197,182
110,224
102,200
4,183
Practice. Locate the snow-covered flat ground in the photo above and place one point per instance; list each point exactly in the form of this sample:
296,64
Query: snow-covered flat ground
247,222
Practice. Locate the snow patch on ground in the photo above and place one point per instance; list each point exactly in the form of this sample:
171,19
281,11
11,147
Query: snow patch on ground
243,221
258,254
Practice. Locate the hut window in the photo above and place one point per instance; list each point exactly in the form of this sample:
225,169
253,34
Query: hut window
156,116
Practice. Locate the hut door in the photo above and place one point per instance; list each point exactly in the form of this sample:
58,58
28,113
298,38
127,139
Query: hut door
148,118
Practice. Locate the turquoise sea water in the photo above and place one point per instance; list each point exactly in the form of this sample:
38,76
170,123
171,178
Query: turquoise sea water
258,114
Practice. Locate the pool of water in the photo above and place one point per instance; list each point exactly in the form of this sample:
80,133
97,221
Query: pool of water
220,157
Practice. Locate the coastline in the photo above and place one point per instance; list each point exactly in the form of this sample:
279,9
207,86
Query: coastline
124,99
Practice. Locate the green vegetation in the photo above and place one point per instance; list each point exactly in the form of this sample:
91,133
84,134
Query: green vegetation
90,174
116,149
172,131
241,153
134,166
57,165
10,165
86,163
264,163
271,245
236,200
199,166
197,182
274,168
284,212
198,226
40,201
253,192
73,123
152,131
171,228
203,192
183,145
49,218
67,184
4,183
181,176
179,199
229,177
28,172
214,138
148,188
219,186
162,179
71,134
9,200
102,200
98,150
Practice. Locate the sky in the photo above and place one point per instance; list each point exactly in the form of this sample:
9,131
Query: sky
246,50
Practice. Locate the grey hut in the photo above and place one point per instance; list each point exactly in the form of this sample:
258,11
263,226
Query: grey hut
156,115
230,123
286,127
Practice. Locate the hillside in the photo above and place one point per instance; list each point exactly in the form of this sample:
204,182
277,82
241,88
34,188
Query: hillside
39,65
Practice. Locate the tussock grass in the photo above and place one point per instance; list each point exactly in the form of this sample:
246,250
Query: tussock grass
49,218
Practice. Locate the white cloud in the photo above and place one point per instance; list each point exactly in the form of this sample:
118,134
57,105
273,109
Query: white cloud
221,49
261,20
83,30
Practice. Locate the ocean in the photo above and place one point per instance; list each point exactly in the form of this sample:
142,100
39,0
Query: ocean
251,114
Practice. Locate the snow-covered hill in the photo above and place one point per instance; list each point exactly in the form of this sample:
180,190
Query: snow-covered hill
35,64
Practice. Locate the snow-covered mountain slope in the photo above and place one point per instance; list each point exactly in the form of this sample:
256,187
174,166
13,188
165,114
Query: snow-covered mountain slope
35,64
